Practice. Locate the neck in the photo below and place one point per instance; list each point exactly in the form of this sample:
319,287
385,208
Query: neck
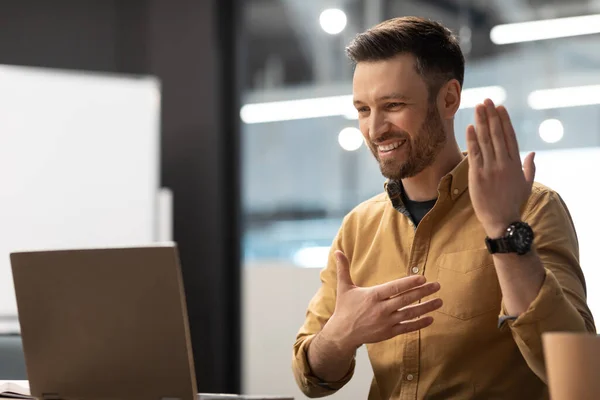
424,186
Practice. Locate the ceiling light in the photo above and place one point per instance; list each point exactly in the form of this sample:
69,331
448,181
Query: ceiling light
471,97
564,97
297,109
551,130
333,21
350,139
545,29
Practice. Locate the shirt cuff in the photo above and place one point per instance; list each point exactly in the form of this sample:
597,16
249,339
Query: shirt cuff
310,380
541,307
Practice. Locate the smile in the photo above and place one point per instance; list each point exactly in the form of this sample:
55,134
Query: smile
390,147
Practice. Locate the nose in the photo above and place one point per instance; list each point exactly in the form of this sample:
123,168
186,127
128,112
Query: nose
378,126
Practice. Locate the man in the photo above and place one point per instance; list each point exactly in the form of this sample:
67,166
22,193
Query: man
453,273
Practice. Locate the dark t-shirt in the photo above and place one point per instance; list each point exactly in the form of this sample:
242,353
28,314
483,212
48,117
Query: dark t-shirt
417,209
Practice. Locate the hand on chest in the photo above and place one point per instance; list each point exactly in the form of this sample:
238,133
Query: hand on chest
457,259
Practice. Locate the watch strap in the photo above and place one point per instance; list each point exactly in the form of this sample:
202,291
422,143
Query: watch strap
499,245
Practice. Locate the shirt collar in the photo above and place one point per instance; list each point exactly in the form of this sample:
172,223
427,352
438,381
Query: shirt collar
454,183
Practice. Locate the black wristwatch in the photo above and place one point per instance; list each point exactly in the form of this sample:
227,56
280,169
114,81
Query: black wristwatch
517,239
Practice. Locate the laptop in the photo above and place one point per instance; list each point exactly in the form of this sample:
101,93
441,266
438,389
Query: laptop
106,323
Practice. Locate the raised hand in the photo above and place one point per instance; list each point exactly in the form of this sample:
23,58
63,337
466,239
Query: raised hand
374,314
498,183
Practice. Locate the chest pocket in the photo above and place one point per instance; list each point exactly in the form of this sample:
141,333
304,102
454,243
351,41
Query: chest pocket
468,284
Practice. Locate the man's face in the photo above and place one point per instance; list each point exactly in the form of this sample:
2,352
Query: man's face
400,125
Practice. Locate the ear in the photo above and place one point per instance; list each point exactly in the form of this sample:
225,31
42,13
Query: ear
448,100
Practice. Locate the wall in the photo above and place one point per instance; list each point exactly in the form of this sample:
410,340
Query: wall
275,298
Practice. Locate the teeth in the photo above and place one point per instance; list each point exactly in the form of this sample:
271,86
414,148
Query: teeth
392,146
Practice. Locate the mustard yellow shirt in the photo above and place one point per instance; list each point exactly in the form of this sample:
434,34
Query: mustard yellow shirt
471,351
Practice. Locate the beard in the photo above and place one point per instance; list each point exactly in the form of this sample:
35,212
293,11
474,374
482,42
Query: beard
421,149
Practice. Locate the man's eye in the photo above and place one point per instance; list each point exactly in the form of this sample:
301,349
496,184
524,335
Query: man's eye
395,105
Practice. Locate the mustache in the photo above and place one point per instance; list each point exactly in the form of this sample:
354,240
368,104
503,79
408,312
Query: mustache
388,136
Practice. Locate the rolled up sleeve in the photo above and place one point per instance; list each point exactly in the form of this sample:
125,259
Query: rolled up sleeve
561,302
319,311
311,385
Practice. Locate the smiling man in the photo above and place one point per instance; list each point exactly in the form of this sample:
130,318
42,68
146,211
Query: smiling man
453,273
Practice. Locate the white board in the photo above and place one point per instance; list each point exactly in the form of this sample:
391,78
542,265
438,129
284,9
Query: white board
79,162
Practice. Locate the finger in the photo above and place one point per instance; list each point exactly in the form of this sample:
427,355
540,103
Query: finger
483,135
344,280
510,136
496,132
410,296
473,150
395,287
417,310
411,326
529,168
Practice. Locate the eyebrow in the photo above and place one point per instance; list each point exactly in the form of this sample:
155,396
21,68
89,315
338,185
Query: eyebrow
390,96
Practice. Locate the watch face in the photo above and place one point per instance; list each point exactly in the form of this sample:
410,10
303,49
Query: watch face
520,236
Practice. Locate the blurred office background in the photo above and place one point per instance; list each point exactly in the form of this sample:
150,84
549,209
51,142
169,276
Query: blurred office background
302,174
258,156
304,165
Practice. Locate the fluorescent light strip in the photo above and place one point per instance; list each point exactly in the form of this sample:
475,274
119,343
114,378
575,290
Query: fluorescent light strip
297,109
333,106
471,97
564,97
545,29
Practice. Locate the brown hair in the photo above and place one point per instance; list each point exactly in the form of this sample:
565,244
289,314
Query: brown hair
437,51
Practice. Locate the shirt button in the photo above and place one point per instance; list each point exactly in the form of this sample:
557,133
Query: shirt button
410,377
415,270
455,191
